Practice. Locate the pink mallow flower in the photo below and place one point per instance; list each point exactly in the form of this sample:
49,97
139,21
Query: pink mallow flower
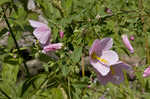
127,43
42,32
52,47
106,62
146,72
61,34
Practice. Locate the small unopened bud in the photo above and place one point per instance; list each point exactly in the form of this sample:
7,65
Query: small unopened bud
132,38
61,34
109,11
127,43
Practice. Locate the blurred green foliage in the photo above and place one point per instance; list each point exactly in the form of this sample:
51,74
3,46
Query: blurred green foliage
82,21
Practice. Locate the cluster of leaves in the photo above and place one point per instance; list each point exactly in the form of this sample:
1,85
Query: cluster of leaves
82,21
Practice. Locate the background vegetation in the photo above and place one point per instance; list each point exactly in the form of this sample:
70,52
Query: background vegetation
59,75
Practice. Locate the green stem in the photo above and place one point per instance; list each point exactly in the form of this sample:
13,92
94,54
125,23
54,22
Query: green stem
15,41
4,93
69,88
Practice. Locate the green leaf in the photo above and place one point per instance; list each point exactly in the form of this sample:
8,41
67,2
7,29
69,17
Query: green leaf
28,84
76,55
3,31
55,33
10,60
9,73
68,5
56,93
4,1
65,70
10,42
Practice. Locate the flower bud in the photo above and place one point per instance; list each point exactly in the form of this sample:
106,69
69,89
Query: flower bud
61,34
109,11
127,43
132,38
146,72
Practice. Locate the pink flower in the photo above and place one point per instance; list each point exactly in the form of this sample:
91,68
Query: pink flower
116,74
42,32
127,43
61,34
146,72
106,62
109,11
89,86
52,47
132,38
8,33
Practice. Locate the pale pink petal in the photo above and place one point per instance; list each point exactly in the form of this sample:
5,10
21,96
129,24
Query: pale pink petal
106,43
110,56
124,66
37,24
127,43
42,34
116,76
96,48
52,47
100,45
146,72
102,69
104,79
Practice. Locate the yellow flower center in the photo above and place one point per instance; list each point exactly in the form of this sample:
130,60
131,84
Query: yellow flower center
103,61
98,58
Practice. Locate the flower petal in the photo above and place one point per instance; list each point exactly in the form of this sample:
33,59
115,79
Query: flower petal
42,34
99,45
52,47
110,56
96,48
115,76
106,43
127,43
37,24
123,66
146,72
102,69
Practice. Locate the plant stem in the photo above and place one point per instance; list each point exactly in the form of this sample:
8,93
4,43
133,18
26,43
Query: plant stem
69,88
4,93
82,64
15,41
